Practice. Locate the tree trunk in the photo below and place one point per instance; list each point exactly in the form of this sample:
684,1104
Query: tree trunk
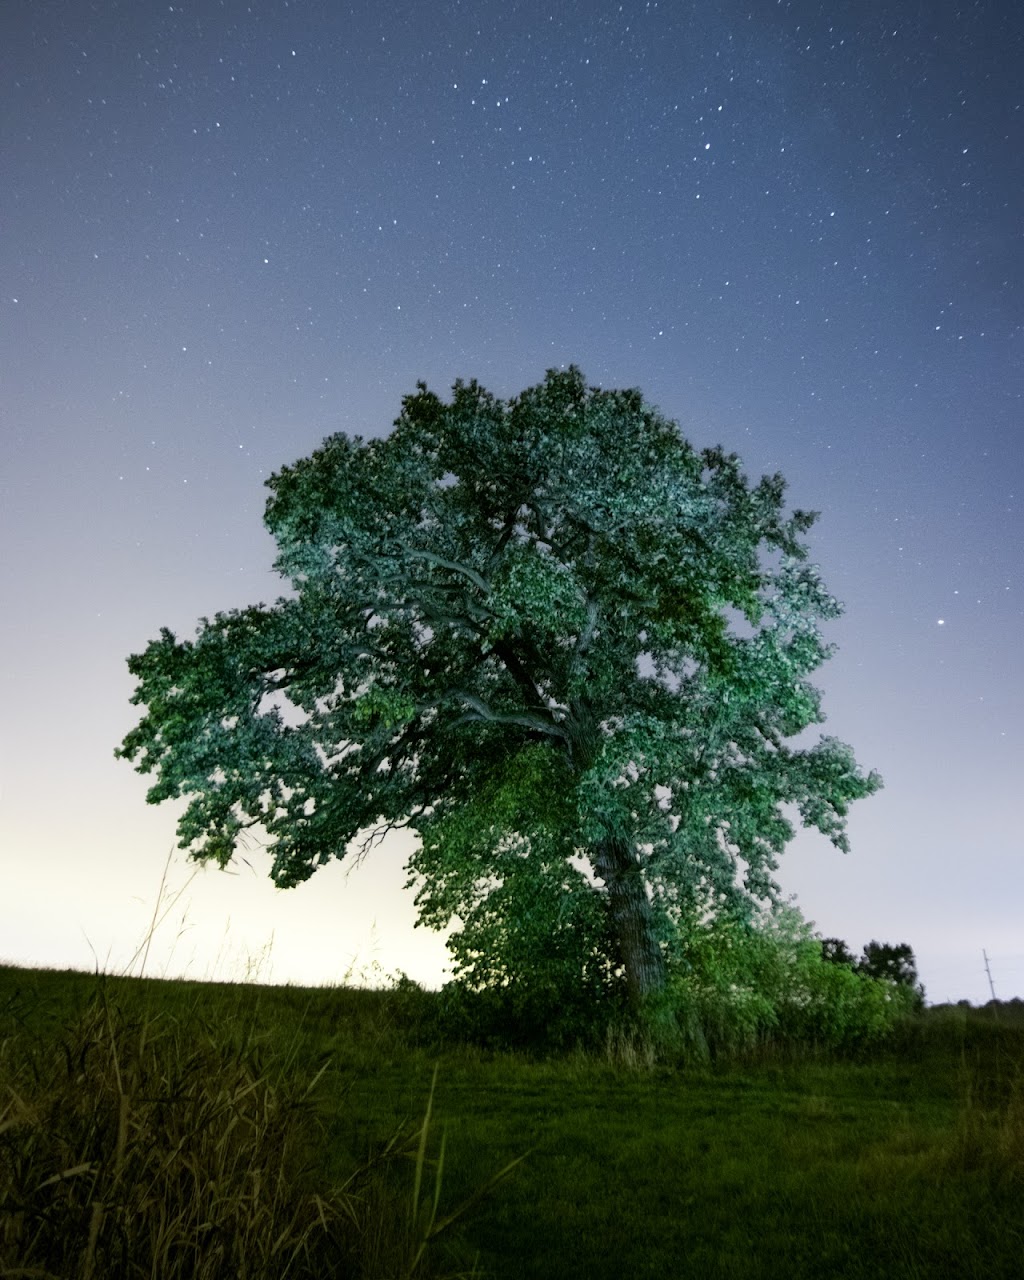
632,919
616,863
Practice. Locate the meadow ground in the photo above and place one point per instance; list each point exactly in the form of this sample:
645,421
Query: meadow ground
206,1130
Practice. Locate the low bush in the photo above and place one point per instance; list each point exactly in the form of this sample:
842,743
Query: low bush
738,986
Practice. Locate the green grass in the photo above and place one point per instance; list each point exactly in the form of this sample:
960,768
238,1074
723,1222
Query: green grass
908,1161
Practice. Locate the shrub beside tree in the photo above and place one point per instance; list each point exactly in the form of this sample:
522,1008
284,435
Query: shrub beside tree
884,961
741,984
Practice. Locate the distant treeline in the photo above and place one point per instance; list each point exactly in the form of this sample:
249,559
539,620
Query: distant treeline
1007,1010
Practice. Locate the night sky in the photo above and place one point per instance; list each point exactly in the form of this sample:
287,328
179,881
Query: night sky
228,230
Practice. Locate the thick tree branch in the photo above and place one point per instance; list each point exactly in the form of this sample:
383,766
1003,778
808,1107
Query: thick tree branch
471,621
507,530
517,670
587,634
455,566
525,719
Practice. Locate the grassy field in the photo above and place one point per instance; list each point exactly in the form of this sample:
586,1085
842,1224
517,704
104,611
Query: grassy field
204,1130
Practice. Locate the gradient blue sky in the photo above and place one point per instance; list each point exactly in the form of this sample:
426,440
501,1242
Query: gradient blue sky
229,229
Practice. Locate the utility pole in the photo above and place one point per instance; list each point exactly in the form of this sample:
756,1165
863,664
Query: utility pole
989,972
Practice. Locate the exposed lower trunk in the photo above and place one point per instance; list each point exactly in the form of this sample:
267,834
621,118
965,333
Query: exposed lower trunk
631,917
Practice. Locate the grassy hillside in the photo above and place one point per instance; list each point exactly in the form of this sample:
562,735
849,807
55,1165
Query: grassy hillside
207,1130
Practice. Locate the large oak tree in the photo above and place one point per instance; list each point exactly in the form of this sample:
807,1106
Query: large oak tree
561,644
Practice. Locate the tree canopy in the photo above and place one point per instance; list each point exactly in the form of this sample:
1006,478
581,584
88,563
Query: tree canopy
835,951
894,962
560,643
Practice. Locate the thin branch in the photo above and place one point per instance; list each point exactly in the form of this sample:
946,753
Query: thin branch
375,836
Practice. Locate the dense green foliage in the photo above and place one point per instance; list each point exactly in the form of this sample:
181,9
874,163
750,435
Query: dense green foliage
735,985
903,1159
744,983
886,961
892,961
564,646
